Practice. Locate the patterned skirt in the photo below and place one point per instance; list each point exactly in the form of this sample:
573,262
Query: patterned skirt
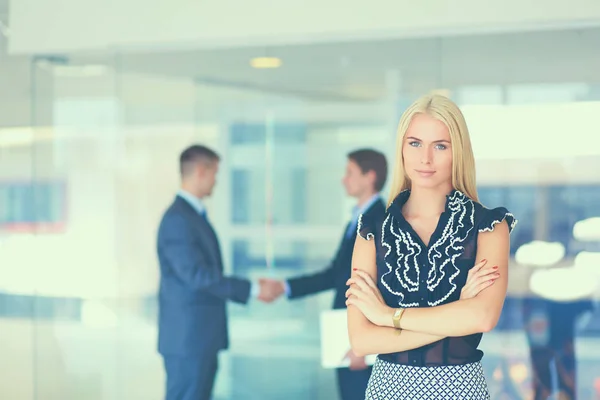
391,381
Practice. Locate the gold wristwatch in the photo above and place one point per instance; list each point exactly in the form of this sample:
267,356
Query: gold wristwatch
396,317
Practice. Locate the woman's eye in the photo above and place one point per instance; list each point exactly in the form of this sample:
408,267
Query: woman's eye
414,144
440,146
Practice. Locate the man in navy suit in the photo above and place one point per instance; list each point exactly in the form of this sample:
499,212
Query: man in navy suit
192,326
366,172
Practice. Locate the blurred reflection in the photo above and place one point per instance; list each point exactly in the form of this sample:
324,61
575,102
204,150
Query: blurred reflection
550,327
85,147
540,254
588,229
560,296
365,177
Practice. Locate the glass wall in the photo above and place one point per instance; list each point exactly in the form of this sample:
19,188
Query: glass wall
89,148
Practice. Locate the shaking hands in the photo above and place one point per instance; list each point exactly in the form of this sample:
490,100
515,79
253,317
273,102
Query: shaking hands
270,289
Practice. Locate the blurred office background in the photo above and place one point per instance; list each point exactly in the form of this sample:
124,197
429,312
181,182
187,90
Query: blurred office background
97,99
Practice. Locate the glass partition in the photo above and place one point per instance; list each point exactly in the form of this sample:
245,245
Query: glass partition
89,146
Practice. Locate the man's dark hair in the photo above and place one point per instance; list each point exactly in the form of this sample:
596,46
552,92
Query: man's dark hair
195,154
371,160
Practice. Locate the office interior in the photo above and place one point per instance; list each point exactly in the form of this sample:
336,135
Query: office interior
90,135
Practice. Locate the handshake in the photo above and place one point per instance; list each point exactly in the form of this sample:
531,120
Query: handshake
270,289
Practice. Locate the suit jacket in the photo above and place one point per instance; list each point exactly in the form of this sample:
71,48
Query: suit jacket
192,318
337,273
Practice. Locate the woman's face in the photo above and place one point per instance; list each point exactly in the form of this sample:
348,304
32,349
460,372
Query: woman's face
427,153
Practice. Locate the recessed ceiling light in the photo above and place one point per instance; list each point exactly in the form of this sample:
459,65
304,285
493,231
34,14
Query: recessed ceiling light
265,62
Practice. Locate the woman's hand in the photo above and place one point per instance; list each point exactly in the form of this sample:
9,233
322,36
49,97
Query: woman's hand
479,277
363,294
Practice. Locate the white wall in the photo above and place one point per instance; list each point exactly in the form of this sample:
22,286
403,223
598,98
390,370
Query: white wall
117,154
75,25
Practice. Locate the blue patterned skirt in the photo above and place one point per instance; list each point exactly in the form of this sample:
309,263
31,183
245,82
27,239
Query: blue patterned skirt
391,381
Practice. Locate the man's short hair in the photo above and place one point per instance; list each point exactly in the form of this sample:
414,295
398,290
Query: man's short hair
371,160
195,154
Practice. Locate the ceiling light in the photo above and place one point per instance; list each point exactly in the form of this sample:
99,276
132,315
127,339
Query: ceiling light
80,71
265,62
587,229
563,284
588,261
540,254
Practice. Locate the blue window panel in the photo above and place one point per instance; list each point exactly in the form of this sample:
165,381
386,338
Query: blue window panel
17,306
243,261
39,307
567,205
240,190
512,315
290,134
256,134
32,203
247,134
298,202
520,200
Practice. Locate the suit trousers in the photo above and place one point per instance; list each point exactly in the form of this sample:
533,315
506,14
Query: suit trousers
190,378
353,384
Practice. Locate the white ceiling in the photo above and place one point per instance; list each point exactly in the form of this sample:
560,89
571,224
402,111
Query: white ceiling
321,81
358,70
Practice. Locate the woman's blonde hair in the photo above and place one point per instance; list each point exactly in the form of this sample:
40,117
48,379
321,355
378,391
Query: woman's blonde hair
463,163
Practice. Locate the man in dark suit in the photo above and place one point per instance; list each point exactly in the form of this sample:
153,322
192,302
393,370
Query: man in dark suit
192,326
366,172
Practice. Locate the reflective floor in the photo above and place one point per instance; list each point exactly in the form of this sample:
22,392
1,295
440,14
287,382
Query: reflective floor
268,359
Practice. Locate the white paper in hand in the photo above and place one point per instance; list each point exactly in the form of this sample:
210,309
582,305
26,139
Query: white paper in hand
335,342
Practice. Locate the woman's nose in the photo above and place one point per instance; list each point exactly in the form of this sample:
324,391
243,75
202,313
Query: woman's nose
426,157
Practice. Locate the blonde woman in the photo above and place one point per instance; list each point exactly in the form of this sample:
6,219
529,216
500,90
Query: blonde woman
430,277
